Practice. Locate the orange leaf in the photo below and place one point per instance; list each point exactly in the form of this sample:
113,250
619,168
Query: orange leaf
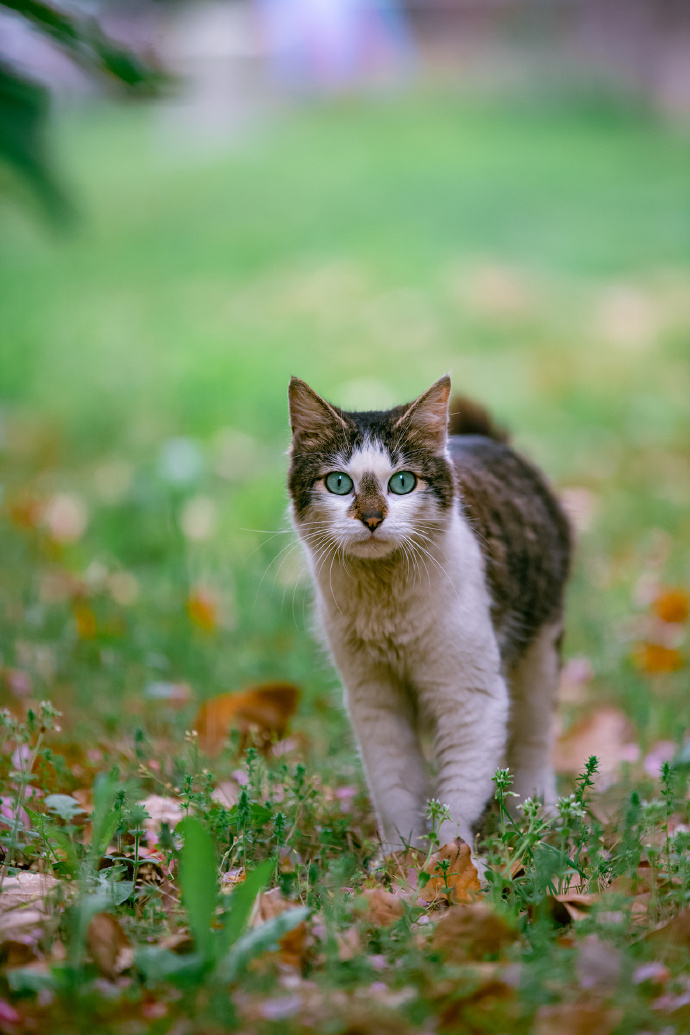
460,876
672,605
106,940
266,708
294,945
675,932
472,931
577,906
202,608
27,512
654,659
381,907
576,1019
85,621
271,904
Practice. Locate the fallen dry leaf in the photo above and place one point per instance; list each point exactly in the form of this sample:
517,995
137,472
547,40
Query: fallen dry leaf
295,945
576,905
161,810
349,944
18,920
26,888
18,951
576,1019
672,606
472,932
371,1018
106,941
381,907
267,709
487,995
673,934
606,733
180,942
85,621
226,793
202,608
269,904
460,878
655,659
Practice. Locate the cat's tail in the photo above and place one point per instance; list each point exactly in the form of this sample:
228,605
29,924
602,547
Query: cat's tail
467,417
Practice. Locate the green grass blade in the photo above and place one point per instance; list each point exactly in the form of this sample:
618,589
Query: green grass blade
241,902
198,881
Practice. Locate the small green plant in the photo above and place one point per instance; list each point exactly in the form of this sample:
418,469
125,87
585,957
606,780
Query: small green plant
24,738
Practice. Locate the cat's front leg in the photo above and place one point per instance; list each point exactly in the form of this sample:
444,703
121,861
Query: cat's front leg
469,721
383,724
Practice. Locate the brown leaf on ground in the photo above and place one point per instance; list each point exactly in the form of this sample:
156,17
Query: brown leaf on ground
639,884
18,921
483,1000
381,907
349,944
576,905
106,941
25,888
460,878
576,1019
17,952
161,810
270,904
295,945
606,733
472,932
202,608
672,606
675,934
654,659
180,942
372,1019
266,709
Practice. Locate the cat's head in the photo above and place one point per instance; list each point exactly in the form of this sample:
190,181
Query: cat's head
369,483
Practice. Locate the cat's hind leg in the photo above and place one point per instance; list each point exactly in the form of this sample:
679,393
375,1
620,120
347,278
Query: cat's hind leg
534,685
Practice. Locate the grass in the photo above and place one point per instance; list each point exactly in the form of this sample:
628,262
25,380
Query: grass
543,256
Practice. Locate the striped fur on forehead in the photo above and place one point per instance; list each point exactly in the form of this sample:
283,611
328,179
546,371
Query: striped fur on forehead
368,442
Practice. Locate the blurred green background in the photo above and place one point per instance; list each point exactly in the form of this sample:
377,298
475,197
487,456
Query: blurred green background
541,253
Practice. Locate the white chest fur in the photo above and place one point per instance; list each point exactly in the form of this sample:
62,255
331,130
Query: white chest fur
435,600
415,639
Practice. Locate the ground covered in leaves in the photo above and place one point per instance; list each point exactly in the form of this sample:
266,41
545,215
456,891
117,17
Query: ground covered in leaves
142,890
186,844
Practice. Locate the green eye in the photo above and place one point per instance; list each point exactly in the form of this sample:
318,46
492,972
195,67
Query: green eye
402,482
339,483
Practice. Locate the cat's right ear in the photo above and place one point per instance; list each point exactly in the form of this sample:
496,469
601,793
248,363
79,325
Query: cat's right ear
312,419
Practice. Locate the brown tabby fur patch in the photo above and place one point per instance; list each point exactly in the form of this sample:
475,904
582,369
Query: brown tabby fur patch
522,529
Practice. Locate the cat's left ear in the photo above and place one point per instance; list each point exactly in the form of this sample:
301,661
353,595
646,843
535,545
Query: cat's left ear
426,419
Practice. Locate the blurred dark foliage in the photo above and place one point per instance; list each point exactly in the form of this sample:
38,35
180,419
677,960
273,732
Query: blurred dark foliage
25,103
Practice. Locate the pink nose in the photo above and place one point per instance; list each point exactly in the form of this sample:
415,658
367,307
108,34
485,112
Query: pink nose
372,519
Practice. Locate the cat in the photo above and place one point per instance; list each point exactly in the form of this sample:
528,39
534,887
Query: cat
439,558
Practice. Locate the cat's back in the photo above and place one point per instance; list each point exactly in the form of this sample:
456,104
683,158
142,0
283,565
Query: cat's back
522,531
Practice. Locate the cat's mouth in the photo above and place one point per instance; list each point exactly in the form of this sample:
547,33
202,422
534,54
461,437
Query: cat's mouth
372,545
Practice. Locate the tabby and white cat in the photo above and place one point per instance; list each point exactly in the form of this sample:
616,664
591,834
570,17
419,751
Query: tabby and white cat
439,558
